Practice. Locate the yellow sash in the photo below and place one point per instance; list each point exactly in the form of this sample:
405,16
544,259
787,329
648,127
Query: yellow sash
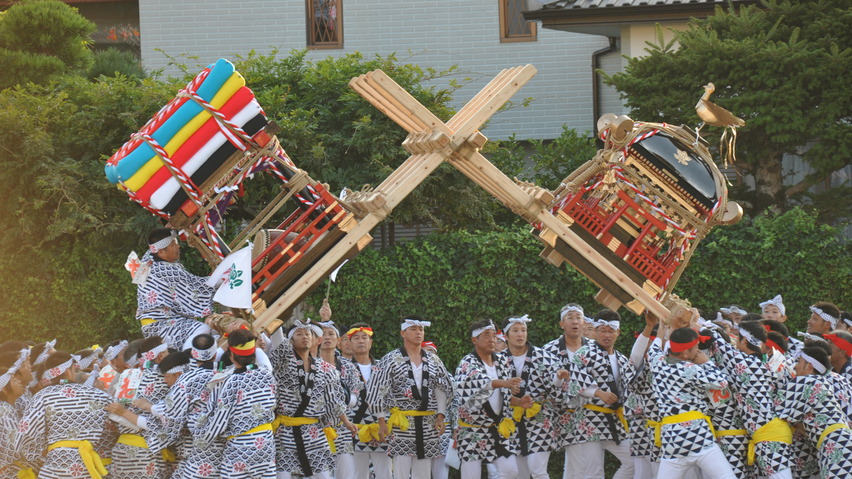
682,417
147,321
25,472
330,436
606,410
829,430
368,432
506,427
398,418
91,459
775,430
292,421
518,412
731,432
262,427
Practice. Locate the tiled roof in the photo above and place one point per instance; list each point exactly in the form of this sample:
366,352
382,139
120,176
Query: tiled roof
589,4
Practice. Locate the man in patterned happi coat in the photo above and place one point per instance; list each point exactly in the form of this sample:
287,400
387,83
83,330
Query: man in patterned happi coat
640,407
310,403
409,395
170,300
755,390
572,353
681,380
367,447
542,380
808,400
485,416
841,352
603,417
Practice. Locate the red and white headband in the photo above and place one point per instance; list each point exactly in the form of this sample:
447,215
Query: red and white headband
57,371
153,353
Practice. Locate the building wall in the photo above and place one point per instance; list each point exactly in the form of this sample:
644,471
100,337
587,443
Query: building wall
429,33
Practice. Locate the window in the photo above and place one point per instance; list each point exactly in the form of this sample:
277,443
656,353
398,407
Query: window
325,23
513,27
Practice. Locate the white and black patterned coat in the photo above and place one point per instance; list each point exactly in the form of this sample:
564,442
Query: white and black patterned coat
66,412
10,459
473,391
350,382
640,406
600,425
536,434
360,413
755,389
570,425
315,394
174,298
393,386
810,401
682,387
239,404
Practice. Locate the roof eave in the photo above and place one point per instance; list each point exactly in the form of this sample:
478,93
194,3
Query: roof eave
551,18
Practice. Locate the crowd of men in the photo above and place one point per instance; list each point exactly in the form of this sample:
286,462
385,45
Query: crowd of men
724,395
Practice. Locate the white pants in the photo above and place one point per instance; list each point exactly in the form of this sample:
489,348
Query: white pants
319,475
491,470
713,464
507,468
576,460
534,465
381,465
440,469
644,468
409,466
785,474
595,459
344,466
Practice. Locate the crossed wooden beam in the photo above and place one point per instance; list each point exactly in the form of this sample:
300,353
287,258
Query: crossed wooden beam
431,142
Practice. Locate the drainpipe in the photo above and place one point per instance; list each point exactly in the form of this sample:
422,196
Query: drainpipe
596,107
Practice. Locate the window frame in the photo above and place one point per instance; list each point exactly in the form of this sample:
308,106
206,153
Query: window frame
309,33
505,37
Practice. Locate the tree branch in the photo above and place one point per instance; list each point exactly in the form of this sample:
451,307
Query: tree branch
803,185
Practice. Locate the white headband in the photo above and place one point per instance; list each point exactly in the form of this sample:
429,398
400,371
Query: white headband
751,339
810,337
7,376
413,322
477,332
131,363
329,324
153,353
90,381
847,321
306,325
734,309
776,301
568,309
180,368
83,363
720,319
818,367
45,353
205,355
523,320
611,324
825,316
589,320
163,243
112,352
56,371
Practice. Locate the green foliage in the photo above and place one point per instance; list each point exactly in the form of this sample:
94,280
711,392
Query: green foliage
455,278
113,62
40,39
781,66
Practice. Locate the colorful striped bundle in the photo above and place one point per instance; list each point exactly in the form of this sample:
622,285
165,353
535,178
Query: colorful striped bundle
196,132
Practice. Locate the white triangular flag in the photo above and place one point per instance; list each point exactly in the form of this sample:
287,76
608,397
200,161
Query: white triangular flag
334,273
235,273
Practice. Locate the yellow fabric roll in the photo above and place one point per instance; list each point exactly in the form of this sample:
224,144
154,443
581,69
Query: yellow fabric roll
506,427
829,430
330,436
606,410
518,412
262,427
368,432
91,459
133,440
682,417
292,421
399,418
775,430
731,432
142,175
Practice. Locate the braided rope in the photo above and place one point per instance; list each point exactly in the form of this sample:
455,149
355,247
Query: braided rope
236,135
182,177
